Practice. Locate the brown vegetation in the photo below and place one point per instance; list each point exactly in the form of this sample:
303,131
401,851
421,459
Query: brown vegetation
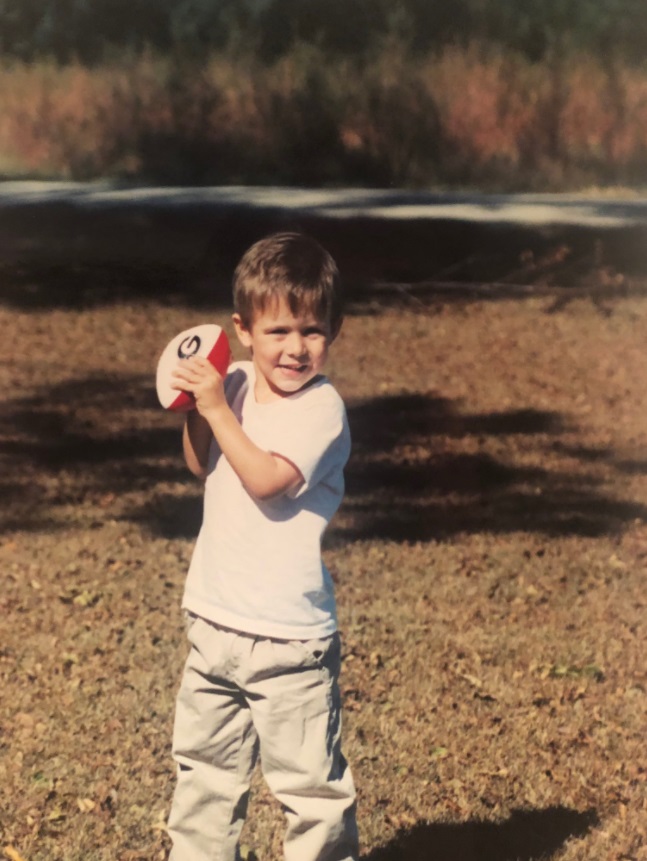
490,560
462,117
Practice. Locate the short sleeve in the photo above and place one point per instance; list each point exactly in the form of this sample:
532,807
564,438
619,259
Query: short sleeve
316,440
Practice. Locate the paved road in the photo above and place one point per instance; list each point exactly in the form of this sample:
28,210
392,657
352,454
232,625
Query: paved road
375,235
522,209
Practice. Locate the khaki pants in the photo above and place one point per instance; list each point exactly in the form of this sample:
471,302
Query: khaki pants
241,696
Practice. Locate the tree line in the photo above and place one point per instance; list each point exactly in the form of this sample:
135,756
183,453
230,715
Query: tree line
93,31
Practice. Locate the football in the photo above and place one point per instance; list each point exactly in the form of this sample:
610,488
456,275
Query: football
206,340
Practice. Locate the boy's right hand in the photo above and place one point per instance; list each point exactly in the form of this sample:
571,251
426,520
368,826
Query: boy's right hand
199,377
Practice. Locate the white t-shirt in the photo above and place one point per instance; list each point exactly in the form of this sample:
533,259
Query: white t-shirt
257,565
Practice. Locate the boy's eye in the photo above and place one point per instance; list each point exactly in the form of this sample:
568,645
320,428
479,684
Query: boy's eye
313,330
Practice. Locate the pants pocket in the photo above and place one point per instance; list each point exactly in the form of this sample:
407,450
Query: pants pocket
324,652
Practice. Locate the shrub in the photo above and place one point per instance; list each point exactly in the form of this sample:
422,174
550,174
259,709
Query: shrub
463,116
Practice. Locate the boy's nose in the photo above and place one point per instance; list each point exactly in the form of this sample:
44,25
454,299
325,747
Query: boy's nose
296,345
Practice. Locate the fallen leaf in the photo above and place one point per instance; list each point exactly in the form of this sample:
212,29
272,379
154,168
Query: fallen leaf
87,599
12,853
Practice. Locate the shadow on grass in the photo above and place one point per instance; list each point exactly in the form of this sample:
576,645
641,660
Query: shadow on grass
59,255
422,491
527,835
93,444
104,447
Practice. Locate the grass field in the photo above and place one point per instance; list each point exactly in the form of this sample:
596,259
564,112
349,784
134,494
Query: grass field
490,561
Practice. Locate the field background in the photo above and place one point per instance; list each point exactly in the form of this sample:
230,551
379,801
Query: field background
496,95
489,557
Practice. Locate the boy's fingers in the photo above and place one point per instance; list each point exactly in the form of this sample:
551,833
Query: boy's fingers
198,366
186,371
195,379
197,362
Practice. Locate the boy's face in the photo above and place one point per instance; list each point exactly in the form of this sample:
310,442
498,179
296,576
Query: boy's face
288,350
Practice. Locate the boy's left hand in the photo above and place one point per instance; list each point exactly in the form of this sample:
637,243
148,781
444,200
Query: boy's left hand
199,377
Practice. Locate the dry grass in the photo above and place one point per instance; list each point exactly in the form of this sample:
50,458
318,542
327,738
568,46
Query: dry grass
466,116
490,561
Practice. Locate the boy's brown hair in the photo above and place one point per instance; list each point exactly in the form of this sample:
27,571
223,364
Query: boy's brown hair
292,267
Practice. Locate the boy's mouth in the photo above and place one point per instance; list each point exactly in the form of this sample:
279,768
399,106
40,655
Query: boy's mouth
293,369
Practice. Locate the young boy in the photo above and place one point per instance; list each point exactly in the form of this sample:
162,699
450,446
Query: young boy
271,440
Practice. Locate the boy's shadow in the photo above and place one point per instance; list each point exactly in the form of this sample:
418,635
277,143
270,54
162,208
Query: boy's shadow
526,835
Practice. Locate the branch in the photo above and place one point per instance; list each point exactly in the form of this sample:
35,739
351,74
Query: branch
505,288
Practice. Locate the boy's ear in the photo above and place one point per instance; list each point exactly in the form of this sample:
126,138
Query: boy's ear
242,332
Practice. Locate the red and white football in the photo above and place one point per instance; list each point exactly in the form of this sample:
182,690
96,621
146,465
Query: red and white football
208,341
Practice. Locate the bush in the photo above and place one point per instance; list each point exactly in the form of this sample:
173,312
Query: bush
467,116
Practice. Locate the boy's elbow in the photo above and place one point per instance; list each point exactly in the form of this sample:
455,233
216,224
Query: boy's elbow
196,468
265,492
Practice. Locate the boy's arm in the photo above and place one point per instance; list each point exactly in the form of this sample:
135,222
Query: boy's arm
263,473
196,441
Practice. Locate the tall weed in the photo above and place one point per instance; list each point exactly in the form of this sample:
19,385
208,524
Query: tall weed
465,116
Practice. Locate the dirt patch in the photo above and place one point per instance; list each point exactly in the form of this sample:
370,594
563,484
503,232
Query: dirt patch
490,560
